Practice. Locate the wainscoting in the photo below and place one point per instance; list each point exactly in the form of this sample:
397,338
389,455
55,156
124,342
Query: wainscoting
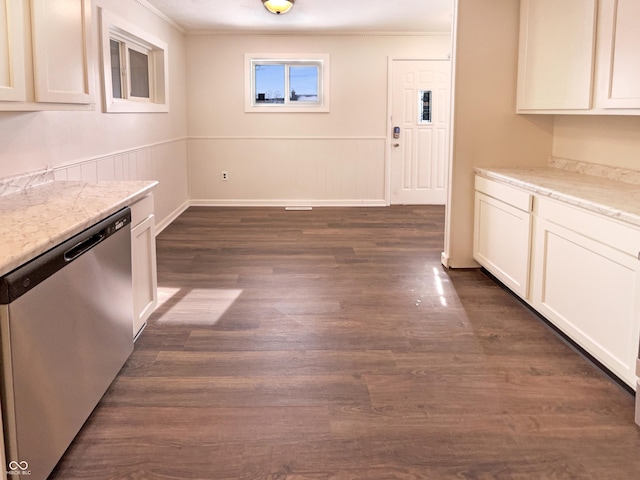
165,162
277,171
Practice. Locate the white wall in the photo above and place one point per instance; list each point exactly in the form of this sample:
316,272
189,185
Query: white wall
85,141
486,129
605,140
288,158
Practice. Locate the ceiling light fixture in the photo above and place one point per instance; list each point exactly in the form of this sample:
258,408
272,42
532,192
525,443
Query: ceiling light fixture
278,6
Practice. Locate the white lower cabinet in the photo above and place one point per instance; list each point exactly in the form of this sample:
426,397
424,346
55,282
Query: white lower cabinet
586,282
579,269
502,233
143,259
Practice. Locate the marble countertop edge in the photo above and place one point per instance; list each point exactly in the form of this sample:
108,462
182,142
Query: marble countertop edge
38,218
608,197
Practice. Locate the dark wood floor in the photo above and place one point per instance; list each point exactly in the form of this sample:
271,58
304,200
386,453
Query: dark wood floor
331,344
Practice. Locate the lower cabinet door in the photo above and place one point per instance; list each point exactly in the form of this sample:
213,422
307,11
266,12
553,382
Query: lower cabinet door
145,281
590,291
502,241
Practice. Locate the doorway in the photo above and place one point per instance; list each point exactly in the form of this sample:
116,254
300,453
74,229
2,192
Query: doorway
420,103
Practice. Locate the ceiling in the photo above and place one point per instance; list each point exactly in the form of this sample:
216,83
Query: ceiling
432,16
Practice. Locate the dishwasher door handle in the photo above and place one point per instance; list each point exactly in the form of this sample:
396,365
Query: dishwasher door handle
83,246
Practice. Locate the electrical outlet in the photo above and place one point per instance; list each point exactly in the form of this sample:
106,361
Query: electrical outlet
225,176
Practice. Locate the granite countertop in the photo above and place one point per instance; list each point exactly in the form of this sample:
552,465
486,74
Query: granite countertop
38,218
608,197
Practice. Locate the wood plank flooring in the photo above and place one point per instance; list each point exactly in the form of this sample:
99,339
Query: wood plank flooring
332,345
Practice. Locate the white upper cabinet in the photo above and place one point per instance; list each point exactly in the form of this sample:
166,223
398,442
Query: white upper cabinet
12,86
60,31
556,57
619,51
579,57
51,68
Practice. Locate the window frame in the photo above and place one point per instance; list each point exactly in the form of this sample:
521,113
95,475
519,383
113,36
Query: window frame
288,60
132,37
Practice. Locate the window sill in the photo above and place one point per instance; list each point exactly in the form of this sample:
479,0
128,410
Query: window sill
287,109
127,106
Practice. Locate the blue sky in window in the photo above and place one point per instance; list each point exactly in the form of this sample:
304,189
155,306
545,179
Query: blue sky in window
270,80
304,80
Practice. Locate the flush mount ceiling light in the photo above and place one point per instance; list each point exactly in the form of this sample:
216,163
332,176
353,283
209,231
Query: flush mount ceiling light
278,6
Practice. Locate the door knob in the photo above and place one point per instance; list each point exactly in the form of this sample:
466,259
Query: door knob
396,145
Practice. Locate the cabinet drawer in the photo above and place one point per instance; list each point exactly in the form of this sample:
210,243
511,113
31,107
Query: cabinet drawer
505,193
141,210
605,230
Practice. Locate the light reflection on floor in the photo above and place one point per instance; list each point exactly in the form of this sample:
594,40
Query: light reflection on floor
439,289
210,305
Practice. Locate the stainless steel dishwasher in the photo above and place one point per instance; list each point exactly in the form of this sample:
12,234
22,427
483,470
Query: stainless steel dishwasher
66,326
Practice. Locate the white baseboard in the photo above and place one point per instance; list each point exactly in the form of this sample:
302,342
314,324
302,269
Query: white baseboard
444,259
447,263
287,203
165,222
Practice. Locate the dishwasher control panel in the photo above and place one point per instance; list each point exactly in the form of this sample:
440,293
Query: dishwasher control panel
19,281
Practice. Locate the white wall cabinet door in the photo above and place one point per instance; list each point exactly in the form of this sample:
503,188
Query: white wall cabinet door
619,52
12,77
588,286
143,259
61,45
502,233
556,56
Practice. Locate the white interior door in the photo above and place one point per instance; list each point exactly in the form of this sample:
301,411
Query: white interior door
420,100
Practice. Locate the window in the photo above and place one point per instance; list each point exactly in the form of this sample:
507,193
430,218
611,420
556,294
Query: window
287,83
279,83
135,68
130,70
424,106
